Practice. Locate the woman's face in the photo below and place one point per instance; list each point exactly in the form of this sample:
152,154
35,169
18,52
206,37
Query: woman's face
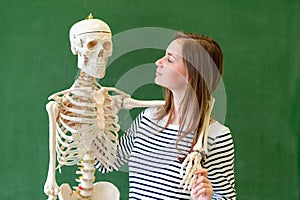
171,71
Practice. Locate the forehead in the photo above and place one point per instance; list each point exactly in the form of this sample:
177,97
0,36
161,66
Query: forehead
175,47
96,35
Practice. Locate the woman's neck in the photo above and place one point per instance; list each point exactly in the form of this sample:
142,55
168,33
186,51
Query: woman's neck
178,96
177,112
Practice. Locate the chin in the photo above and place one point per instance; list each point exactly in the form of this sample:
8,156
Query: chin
157,81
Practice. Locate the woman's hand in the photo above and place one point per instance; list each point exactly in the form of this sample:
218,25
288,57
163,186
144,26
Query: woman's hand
202,188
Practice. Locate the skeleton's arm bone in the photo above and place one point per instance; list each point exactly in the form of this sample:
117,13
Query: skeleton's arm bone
207,116
51,188
129,103
193,160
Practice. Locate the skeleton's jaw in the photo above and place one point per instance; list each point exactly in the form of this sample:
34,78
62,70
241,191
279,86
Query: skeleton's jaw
94,69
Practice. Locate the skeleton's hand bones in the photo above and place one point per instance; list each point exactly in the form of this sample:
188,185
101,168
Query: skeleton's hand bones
192,163
117,100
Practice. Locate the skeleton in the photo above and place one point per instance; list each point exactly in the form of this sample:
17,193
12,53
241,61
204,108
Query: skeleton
83,121
193,160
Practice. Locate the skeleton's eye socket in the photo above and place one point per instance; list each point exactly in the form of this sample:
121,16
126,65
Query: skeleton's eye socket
107,45
91,44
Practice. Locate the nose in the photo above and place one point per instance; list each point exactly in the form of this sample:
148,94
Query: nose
101,52
158,63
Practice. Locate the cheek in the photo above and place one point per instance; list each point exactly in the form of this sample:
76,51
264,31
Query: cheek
174,76
177,75
181,70
171,79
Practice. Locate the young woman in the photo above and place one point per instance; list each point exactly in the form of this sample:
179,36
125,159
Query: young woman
160,138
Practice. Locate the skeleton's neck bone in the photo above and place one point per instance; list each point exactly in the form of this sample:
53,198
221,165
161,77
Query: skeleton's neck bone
85,80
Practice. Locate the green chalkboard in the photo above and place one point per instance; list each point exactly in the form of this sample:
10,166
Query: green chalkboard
259,95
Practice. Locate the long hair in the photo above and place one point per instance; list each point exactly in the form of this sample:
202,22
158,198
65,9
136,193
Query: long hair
203,59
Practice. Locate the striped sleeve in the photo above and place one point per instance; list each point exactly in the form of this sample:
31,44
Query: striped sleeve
220,165
125,145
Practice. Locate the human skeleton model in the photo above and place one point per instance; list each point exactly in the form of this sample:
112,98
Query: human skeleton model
83,121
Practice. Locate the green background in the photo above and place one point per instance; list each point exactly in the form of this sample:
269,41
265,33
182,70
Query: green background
261,45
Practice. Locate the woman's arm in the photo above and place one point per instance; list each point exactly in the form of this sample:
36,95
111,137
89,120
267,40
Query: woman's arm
220,166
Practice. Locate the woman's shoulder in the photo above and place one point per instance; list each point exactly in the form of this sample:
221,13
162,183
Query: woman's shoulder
219,137
216,129
150,113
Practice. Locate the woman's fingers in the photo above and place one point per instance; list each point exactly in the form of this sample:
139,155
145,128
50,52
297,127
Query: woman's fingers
202,186
202,171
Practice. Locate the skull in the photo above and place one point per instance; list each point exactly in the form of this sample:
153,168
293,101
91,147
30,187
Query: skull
91,41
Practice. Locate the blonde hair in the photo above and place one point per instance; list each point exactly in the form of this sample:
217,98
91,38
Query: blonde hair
203,59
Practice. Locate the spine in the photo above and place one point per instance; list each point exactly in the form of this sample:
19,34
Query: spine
87,171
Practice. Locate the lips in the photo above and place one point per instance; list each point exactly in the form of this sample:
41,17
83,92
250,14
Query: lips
158,74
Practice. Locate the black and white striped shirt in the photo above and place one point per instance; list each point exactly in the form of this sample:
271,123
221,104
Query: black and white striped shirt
153,159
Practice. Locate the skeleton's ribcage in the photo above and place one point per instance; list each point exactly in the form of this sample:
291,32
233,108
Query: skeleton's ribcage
84,125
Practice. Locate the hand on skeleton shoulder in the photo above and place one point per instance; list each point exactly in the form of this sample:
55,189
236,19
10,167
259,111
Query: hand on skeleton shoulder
116,100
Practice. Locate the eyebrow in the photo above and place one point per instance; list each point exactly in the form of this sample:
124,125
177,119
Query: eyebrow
175,56
170,54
